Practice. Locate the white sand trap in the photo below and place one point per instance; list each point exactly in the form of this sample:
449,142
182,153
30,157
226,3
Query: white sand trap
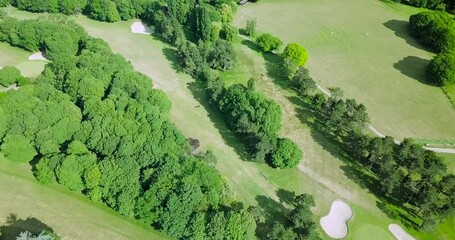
399,232
38,56
335,223
141,28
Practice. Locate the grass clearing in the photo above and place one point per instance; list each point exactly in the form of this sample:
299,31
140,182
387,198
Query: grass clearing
364,48
69,214
16,57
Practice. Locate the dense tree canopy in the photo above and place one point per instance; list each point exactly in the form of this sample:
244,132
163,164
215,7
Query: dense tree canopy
441,70
94,125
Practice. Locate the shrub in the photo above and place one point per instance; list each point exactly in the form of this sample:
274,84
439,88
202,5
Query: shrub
268,43
250,29
441,70
296,53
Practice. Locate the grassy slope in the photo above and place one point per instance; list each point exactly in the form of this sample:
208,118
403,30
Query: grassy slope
69,214
363,47
323,173
11,56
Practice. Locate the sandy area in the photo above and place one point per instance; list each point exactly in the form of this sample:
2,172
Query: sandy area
38,56
141,28
399,232
335,223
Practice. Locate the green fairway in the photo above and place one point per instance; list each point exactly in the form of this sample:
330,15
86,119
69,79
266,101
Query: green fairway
70,215
322,173
364,48
11,56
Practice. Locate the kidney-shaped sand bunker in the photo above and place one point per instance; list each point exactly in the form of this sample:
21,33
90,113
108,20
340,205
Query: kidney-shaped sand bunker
335,223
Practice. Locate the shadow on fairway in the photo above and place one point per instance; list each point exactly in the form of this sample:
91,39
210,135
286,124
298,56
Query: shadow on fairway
401,29
14,226
413,67
268,213
198,91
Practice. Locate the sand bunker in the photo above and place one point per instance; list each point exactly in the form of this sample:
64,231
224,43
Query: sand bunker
141,28
335,223
38,56
399,232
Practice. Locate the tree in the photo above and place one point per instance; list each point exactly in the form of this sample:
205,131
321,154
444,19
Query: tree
103,10
288,68
296,53
250,28
268,43
229,32
70,7
287,154
221,55
10,75
18,148
441,70
304,82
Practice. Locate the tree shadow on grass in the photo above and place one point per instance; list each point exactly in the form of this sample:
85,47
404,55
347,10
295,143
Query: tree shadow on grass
271,212
351,168
14,226
198,91
393,214
413,67
401,29
173,56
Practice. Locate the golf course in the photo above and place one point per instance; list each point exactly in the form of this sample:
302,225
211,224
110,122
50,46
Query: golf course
363,47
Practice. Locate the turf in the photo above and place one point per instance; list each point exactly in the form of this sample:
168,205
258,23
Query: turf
11,56
70,215
322,173
363,47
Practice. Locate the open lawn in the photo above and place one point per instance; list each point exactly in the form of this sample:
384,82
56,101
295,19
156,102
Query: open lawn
70,215
323,172
363,47
16,57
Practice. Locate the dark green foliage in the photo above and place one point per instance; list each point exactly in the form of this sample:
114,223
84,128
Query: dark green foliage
431,4
268,43
221,55
94,125
303,82
4,3
441,70
435,29
69,7
103,10
10,75
407,173
287,154
37,5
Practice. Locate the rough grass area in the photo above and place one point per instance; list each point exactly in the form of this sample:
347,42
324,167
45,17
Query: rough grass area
11,56
450,92
70,215
364,47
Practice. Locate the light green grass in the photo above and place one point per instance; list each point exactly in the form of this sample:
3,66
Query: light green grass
70,215
363,47
11,56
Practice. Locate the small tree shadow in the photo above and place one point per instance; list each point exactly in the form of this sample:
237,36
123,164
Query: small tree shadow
14,226
285,196
413,67
401,29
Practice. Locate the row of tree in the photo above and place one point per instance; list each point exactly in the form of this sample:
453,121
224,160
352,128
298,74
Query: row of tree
448,5
405,172
94,125
437,30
